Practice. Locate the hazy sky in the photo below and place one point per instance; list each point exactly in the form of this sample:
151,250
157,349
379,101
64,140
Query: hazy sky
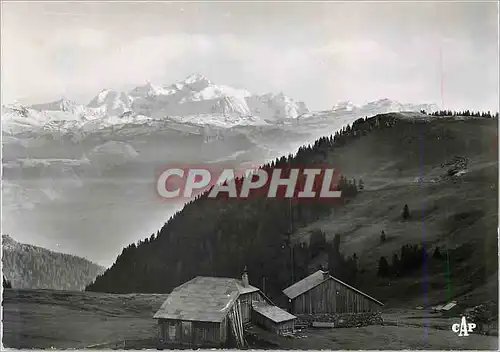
320,53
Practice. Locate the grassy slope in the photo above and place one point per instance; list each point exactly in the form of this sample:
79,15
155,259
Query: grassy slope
63,319
446,213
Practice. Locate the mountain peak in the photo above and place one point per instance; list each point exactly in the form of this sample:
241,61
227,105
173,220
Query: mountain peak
194,82
196,77
147,89
62,104
111,101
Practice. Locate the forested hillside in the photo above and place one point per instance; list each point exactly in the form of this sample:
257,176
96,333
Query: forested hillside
220,237
27,266
383,161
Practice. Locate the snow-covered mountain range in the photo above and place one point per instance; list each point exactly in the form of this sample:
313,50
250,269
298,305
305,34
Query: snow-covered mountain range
381,106
195,99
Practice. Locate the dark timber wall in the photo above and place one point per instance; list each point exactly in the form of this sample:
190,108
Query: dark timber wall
332,297
193,333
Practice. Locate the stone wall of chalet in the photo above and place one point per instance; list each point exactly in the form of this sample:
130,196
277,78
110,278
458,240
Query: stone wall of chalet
342,320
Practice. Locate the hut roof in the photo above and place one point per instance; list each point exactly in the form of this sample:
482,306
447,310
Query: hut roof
314,280
449,306
202,299
273,313
445,307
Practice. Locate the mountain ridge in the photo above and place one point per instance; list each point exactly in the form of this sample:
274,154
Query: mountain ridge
35,267
195,97
384,105
194,88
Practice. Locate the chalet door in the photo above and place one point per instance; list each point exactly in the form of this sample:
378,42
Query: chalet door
186,336
172,333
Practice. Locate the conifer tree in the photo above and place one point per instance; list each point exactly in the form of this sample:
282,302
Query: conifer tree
395,265
383,267
406,212
437,253
383,237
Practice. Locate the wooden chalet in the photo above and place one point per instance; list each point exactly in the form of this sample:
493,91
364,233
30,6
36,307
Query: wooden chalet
211,312
322,293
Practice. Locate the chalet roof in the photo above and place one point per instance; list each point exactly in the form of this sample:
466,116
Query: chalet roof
243,290
449,305
314,280
446,306
273,313
304,285
202,299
